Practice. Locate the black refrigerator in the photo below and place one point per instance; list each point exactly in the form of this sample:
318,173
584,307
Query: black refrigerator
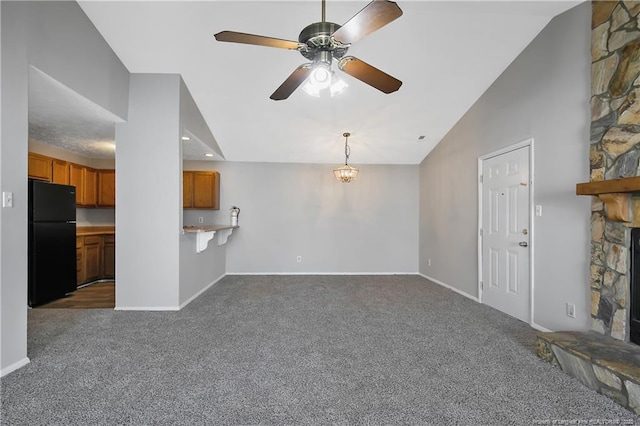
52,241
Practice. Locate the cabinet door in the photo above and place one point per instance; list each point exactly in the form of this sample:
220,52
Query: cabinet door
206,190
106,188
92,257
79,259
109,257
187,190
39,167
90,187
76,178
60,172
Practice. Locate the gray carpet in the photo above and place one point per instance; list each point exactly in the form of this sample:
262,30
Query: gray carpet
293,350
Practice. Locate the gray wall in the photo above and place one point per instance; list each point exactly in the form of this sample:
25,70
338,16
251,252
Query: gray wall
287,210
197,270
148,195
58,39
544,94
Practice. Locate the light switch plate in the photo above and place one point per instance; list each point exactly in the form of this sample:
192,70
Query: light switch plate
538,210
7,199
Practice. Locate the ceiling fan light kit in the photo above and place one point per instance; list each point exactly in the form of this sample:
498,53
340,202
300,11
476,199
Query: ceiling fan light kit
321,42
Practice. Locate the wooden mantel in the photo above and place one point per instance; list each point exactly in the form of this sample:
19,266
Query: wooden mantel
615,193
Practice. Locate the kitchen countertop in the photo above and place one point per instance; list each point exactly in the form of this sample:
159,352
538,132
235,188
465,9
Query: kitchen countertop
211,228
82,231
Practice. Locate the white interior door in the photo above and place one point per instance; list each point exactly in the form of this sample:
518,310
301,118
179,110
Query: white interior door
505,190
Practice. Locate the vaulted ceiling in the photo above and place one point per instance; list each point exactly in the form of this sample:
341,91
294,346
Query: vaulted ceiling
446,53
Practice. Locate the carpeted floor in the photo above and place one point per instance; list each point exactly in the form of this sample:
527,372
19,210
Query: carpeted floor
295,350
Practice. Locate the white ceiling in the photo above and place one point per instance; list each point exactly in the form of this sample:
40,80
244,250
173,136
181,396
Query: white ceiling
446,54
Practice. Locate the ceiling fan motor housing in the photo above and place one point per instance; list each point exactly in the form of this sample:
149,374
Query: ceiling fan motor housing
317,38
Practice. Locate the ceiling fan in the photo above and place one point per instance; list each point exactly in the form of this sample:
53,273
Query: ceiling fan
321,42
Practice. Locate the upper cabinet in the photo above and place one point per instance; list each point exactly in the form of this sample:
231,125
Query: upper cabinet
59,171
76,178
39,167
106,188
201,190
94,188
90,187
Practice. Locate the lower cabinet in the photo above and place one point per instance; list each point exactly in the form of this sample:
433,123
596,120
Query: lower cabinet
92,255
96,258
109,256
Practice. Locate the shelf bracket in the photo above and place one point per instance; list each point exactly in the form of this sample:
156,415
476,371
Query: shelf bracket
616,206
202,240
223,236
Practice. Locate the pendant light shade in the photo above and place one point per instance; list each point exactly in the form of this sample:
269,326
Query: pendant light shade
346,173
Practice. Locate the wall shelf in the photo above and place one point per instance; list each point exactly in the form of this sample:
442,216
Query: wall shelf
204,234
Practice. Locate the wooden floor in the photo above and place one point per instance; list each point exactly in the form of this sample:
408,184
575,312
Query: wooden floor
96,296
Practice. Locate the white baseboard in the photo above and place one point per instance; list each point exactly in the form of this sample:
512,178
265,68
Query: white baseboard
147,308
467,295
540,328
322,273
207,287
13,367
169,308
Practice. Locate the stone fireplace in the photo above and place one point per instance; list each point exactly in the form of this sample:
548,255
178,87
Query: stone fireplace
602,358
614,161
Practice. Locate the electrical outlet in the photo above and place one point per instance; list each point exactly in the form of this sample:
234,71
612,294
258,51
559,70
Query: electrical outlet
200,219
571,310
538,210
429,262
299,259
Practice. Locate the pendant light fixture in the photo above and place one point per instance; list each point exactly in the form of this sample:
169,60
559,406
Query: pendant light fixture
346,173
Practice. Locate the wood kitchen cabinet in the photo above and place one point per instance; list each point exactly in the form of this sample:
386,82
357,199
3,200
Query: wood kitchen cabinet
92,254
85,179
39,167
90,187
94,187
187,190
76,179
59,171
80,259
201,190
109,256
95,257
106,188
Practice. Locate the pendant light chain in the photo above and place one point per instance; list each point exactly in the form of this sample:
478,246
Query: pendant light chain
347,149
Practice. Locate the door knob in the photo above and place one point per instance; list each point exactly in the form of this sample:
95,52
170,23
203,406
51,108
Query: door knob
523,244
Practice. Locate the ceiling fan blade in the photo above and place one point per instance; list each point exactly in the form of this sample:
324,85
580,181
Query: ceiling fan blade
369,74
235,37
292,82
374,16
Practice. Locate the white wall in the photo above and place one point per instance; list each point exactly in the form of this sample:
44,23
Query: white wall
544,94
58,39
148,195
368,226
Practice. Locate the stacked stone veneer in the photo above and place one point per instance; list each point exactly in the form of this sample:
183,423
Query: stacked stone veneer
614,153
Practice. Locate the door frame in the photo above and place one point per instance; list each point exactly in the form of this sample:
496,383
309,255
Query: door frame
529,144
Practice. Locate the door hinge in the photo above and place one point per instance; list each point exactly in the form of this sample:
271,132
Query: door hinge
481,233
481,285
481,176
